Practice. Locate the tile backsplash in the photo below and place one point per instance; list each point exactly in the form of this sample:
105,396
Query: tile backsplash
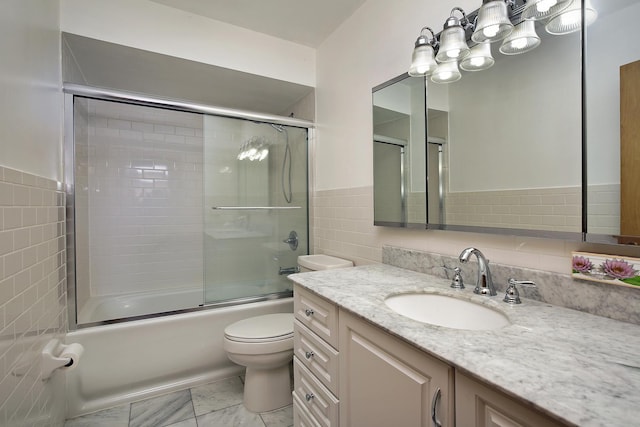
33,299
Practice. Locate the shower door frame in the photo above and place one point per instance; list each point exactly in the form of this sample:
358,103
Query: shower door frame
73,90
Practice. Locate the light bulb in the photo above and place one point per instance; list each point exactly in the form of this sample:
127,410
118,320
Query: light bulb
491,30
453,53
446,75
477,61
571,17
544,5
519,43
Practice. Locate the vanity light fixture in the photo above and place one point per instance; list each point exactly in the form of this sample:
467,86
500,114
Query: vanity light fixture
543,9
493,21
570,19
453,40
447,72
521,40
479,58
423,62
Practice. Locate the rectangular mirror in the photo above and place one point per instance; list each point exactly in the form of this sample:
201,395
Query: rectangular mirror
612,95
513,146
399,133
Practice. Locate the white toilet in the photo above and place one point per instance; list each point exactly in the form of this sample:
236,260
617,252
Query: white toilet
264,344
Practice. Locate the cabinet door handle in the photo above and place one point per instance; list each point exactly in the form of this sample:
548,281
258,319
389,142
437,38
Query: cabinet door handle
309,396
434,404
309,312
309,354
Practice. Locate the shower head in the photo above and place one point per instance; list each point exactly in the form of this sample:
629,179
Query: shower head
279,128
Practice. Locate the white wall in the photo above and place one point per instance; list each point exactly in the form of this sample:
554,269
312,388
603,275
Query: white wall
30,101
154,27
372,46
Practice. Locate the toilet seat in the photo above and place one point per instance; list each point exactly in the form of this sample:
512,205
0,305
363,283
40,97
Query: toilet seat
261,329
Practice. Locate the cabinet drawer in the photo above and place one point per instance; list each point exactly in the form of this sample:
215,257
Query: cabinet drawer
317,314
316,355
301,417
316,398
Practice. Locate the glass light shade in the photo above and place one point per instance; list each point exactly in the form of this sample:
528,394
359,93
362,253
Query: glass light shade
521,40
570,19
542,9
479,58
422,61
453,43
447,72
493,22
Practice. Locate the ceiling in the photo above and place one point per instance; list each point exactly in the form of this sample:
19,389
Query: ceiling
307,22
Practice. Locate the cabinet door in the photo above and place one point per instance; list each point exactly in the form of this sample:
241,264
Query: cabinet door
387,382
480,406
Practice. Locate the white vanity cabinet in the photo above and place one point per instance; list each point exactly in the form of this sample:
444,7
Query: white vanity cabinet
315,362
350,372
480,406
385,381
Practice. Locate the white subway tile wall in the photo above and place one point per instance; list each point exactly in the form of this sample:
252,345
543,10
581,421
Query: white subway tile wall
604,209
555,209
143,186
33,301
342,225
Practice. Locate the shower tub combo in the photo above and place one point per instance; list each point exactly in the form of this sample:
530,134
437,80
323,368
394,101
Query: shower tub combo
181,220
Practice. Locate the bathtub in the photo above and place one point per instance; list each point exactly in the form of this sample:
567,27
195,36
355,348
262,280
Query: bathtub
98,309
135,360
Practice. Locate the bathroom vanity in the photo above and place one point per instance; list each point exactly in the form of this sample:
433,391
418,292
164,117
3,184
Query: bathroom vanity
359,363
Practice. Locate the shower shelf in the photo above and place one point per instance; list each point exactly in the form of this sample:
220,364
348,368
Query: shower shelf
252,208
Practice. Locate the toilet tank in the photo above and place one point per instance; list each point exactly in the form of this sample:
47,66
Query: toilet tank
321,262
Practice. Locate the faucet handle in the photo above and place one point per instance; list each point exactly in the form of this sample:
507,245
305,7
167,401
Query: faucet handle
456,282
512,296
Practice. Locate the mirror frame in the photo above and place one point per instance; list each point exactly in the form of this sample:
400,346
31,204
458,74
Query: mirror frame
405,223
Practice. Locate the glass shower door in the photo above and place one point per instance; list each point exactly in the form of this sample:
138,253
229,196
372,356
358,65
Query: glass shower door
255,208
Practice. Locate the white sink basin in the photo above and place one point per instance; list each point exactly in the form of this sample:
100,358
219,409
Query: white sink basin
450,312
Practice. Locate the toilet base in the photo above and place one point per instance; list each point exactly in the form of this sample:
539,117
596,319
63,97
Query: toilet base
267,389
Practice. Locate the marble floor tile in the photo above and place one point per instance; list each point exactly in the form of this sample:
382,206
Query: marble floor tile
191,422
218,395
163,410
113,417
236,416
278,418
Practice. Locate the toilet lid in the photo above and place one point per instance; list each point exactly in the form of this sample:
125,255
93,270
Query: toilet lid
268,327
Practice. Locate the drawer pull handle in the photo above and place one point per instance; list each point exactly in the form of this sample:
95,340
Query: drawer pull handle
309,396
309,312
309,354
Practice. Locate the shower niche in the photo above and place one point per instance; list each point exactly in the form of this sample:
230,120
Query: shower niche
167,213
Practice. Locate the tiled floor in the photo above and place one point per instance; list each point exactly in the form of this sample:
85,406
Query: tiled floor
217,404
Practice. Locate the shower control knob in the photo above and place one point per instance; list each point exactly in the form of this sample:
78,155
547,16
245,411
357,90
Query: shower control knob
309,396
309,312
309,354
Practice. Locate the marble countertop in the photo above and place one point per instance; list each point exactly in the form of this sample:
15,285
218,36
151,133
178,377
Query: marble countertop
577,367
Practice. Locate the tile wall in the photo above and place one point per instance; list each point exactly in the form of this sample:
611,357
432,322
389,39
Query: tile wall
140,175
556,209
342,226
33,301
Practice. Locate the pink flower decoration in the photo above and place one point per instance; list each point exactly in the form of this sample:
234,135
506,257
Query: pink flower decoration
618,268
582,264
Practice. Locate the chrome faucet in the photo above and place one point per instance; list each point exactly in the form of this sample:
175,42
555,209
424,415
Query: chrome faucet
484,285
